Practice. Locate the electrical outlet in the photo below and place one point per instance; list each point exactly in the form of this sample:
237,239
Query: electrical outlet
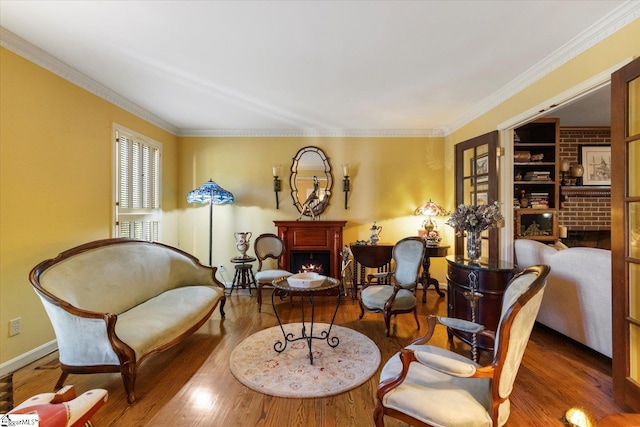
14,326
221,267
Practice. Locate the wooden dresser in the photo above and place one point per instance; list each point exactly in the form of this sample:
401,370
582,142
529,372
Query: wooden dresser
491,279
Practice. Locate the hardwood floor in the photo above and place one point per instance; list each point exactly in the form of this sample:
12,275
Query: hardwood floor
191,384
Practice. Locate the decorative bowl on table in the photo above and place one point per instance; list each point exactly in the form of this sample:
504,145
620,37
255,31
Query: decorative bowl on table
306,280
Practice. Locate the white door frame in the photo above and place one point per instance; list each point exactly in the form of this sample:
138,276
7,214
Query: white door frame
505,138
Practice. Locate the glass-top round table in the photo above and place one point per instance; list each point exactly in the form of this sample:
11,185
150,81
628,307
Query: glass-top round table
282,286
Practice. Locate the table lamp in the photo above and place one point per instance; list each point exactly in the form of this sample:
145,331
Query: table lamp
430,209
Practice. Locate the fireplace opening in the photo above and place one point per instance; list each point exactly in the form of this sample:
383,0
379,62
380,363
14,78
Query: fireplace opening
589,238
311,261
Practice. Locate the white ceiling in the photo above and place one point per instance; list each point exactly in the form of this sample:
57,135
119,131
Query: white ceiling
308,67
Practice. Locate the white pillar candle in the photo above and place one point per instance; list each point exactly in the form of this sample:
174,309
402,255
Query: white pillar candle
345,170
563,232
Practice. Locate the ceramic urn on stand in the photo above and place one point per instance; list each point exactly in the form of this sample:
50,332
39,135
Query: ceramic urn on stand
242,243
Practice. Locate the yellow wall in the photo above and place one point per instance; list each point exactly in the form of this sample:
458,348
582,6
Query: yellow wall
390,177
55,184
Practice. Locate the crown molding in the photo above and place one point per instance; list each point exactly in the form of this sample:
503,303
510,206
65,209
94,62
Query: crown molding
19,46
614,21
16,44
617,19
327,133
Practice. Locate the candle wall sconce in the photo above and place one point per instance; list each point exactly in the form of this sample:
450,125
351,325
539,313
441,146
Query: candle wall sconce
277,183
346,184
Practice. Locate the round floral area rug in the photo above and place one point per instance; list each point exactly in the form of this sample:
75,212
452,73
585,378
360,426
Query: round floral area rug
256,364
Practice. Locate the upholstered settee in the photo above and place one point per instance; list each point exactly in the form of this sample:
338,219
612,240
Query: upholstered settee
577,301
114,302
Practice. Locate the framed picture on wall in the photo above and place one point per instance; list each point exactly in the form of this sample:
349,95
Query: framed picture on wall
596,160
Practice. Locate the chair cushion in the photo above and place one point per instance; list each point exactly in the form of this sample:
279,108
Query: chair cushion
374,297
271,275
447,401
164,318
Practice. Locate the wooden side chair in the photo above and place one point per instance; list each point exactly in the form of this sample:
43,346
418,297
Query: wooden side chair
268,246
425,385
399,295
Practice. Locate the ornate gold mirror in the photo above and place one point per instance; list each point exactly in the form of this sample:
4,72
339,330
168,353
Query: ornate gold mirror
311,181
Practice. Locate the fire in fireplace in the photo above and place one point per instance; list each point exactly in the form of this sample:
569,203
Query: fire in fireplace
312,268
310,261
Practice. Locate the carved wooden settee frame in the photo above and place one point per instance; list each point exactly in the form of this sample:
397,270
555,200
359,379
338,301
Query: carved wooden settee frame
114,302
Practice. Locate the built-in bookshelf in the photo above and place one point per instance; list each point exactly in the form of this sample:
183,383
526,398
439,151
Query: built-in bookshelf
536,175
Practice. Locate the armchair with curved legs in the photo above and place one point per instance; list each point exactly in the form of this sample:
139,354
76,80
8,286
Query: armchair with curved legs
268,246
398,296
430,386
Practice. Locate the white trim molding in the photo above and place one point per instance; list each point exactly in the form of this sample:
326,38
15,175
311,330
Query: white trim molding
28,357
334,133
506,128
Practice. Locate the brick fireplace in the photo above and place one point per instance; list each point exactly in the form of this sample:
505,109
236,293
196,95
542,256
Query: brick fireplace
308,241
585,211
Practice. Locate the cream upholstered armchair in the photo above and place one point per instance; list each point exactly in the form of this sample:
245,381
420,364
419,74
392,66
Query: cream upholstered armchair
268,246
430,386
399,295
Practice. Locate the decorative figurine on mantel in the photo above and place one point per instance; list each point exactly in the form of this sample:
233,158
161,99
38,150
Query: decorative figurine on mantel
375,233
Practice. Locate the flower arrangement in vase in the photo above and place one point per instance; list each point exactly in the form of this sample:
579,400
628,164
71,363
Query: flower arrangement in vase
474,219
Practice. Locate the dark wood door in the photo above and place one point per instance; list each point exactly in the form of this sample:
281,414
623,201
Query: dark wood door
625,233
477,182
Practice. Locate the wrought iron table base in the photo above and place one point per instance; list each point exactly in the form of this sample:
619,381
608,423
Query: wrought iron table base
325,335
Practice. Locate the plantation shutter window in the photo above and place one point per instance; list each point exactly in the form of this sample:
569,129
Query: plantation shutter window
137,207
